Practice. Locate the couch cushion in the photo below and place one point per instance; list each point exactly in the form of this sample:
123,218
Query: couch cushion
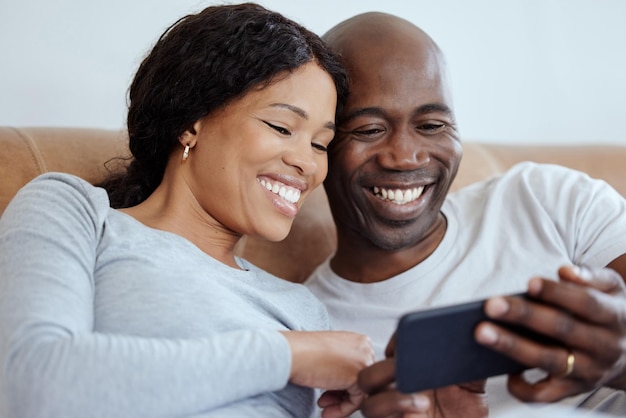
28,152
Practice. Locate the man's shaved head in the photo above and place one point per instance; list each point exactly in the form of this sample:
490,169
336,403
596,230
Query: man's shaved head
387,44
374,29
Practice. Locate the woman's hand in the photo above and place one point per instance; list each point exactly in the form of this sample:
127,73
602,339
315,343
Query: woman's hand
585,312
331,360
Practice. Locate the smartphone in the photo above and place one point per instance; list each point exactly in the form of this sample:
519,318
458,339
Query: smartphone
436,348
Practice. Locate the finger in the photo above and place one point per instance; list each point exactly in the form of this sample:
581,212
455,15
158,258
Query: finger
378,376
605,279
545,390
555,324
551,359
390,350
477,386
348,403
595,366
587,303
394,403
330,397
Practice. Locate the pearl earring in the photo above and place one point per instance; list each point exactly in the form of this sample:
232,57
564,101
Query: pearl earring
186,152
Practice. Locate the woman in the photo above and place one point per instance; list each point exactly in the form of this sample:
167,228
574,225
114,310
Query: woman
144,310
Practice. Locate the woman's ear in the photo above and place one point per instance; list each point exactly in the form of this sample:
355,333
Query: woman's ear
190,136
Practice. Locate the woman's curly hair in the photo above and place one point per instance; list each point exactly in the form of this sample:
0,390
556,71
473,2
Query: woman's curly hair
200,64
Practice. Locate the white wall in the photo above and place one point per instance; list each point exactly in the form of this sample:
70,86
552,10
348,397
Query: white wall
522,70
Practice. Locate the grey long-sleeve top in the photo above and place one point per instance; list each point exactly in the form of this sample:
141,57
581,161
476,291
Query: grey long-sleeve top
101,316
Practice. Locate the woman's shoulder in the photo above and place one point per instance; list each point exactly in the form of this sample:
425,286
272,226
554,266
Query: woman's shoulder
55,177
65,182
55,192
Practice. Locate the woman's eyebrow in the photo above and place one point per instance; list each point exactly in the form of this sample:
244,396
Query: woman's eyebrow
302,113
295,109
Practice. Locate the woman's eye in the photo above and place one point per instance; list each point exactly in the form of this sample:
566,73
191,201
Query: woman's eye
319,147
279,129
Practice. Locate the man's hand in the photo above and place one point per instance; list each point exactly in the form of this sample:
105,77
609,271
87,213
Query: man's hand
384,400
586,312
468,400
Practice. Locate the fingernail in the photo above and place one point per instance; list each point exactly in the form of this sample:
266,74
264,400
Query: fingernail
419,402
487,334
583,273
534,286
497,306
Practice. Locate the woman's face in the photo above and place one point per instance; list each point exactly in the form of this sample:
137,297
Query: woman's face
256,160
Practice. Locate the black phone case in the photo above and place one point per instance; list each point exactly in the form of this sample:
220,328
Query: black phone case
436,348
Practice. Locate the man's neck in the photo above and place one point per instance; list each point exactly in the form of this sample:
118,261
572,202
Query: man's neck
361,261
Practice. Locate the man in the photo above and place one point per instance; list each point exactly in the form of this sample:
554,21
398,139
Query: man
404,244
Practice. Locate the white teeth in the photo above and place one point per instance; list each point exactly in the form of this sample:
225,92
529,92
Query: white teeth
398,196
288,193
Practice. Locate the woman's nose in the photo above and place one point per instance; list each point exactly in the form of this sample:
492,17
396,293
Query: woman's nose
303,158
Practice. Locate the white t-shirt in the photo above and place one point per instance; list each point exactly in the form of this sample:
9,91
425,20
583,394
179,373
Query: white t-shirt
500,233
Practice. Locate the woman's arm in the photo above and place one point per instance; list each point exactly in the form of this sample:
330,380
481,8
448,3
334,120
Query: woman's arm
55,364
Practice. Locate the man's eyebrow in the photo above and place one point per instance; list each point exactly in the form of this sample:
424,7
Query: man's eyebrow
302,113
433,108
377,111
365,111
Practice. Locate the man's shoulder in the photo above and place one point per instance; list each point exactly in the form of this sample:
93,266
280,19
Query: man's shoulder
527,175
523,185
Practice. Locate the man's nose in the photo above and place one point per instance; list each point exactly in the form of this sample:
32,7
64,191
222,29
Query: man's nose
404,150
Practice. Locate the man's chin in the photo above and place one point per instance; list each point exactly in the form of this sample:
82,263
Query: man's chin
393,242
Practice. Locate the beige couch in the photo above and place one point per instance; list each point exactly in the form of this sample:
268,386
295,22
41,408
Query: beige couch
27,152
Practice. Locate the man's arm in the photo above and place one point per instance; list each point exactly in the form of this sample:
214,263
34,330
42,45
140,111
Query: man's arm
586,310
619,265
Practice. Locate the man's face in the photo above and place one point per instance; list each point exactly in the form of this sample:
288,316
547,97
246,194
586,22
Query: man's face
397,149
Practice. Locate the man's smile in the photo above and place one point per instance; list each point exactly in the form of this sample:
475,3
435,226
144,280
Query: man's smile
398,196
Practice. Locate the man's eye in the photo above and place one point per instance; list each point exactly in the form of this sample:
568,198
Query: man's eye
432,127
279,129
368,135
368,132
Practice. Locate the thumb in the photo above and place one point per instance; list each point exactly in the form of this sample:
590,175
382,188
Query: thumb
348,403
390,350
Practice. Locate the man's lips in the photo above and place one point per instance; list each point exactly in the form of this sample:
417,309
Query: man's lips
398,203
